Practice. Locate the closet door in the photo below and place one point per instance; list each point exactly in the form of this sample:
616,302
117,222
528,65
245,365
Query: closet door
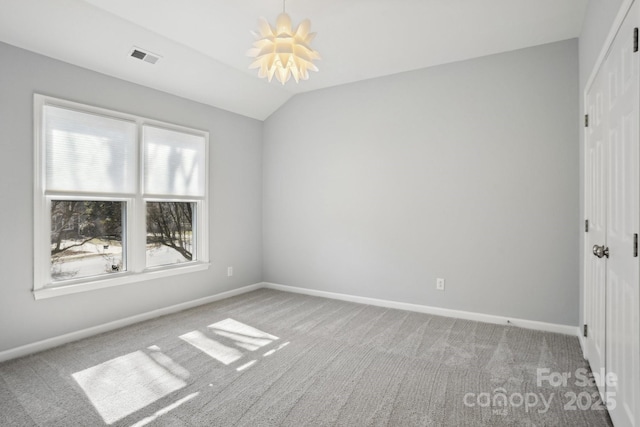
612,193
623,218
596,212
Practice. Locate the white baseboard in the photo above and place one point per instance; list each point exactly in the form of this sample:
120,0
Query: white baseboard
95,330
480,317
467,315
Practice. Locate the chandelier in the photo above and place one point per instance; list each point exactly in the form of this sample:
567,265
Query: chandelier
283,52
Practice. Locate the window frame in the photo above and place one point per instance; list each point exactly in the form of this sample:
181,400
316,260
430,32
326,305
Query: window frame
134,226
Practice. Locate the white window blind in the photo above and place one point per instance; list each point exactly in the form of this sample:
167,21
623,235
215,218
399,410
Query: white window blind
88,152
174,163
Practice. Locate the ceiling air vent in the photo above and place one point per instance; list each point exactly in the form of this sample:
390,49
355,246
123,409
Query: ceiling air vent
144,55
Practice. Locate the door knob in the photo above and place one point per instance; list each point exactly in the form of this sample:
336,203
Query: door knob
600,251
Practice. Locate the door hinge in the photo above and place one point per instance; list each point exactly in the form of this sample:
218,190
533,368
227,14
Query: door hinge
635,39
584,331
586,225
635,245
586,120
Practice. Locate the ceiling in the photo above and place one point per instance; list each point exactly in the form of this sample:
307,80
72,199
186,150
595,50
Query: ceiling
202,43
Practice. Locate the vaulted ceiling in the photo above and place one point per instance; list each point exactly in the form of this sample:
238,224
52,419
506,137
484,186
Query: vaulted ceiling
202,43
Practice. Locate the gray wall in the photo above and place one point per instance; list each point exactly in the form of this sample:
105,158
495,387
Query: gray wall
235,208
467,171
598,19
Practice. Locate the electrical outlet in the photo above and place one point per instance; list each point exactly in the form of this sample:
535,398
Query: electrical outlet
440,284
229,271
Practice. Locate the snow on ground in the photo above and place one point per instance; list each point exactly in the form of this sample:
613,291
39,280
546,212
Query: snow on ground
93,259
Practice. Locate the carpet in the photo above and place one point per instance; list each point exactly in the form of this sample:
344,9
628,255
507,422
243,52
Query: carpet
271,358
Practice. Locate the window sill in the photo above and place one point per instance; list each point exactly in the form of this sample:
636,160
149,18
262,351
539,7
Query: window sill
123,279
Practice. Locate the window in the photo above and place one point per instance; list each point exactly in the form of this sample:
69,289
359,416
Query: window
86,238
169,233
118,198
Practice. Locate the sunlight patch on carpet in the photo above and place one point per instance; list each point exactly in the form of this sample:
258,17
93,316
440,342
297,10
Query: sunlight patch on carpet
245,366
126,384
164,410
211,347
280,347
243,335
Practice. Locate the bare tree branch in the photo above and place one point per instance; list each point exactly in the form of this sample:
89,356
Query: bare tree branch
170,224
58,250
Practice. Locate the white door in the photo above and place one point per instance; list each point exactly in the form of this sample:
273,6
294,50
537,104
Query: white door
623,217
596,212
612,270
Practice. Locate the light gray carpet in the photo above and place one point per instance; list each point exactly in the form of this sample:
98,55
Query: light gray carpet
271,358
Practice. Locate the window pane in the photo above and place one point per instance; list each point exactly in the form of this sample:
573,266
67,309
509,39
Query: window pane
170,237
86,238
89,153
174,163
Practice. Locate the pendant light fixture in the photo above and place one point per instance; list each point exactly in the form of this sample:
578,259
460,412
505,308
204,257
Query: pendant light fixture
283,52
